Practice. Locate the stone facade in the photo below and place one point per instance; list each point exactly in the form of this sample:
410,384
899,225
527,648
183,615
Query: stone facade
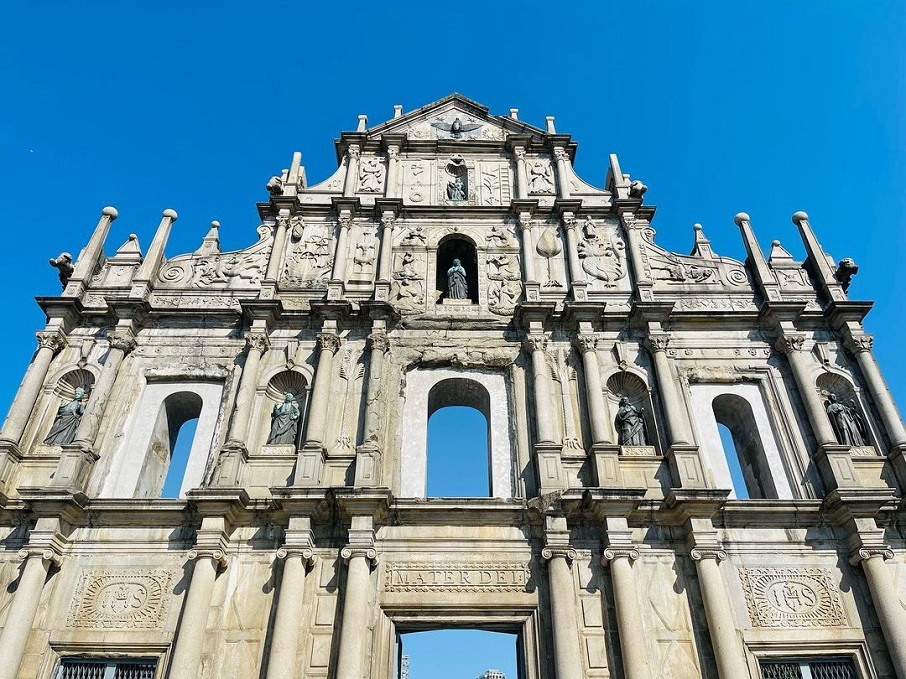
612,540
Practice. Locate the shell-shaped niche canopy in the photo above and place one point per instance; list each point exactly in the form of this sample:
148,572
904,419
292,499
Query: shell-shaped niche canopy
66,386
832,383
626,384
287,382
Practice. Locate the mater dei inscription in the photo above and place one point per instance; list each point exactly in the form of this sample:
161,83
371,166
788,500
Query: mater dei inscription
472,577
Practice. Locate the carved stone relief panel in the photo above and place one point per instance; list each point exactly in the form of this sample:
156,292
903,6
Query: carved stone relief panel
602,251
347,389
549,246
364,255
504,282
372,174
456,181
121,599
407,292
668,269
540,173
309,259
495,183
792,597
240,269
418,180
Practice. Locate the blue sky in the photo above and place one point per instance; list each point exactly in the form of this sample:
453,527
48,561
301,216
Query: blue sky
767,107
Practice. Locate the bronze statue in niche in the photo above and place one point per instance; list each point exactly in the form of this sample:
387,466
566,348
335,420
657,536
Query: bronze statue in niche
285,421
631,424
69,415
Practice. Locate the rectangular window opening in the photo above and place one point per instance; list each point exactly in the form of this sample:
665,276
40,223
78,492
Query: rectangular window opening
104,668
814,668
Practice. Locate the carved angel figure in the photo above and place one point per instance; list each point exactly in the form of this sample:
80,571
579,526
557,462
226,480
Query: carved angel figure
631,424
541,177
371,175
456,128
69,415
846,422
284,421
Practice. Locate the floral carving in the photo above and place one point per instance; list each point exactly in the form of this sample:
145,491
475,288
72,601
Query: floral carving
327,341
239,269
51,340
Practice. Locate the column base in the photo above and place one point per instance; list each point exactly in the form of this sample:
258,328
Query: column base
606,457
580,291
550,468
76,461
229,465
368,460
835,464
309,465
685,466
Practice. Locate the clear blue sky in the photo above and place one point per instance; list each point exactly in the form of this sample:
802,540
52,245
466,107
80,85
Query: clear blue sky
767,107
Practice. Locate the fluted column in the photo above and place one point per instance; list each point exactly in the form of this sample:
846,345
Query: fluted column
728,653
860,347
352,169
21,616
562,156
564,622
281,662
886,602
190,639
256,343
355,610
49,343
677,419
629,616
328,345
597,410
536,345
521,173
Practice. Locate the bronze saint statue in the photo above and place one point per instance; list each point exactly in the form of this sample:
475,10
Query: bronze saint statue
69,415
846,422
285,421
457,288
631,424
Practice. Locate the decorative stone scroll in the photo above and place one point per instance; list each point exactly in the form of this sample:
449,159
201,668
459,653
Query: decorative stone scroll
121,599
457,577
240,269
792,597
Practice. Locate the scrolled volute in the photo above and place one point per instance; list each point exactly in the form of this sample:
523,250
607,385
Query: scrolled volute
701,553
614,553
865,553
216,555
353,551
307,554
559,551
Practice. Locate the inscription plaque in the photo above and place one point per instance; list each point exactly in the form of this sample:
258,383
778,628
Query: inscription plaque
792,597
117,599
473,577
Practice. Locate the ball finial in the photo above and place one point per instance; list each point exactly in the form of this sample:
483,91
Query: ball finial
215,224
775,243
170,213
741,217
799,217
111,212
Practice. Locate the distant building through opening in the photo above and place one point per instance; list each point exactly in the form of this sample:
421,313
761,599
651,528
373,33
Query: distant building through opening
459,654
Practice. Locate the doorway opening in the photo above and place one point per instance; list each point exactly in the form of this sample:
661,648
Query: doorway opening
459,654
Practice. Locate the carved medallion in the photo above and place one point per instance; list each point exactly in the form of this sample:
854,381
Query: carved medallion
448,577
792,597
121,599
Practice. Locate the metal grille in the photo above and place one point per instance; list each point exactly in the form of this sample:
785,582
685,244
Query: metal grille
780,670
82,670
136,670
833,669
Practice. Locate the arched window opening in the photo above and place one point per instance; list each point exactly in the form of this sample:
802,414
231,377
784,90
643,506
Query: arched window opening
459,455
746,457
457,248
160,462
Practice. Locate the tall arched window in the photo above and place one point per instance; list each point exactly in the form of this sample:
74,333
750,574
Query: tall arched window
457,247
161,464
459,454
735,413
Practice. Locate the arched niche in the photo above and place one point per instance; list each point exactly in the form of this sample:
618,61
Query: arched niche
57,392
457,246
741,408
626,384
831,383
284,382
429,390
142,461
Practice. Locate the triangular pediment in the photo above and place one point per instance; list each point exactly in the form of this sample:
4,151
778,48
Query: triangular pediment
455,118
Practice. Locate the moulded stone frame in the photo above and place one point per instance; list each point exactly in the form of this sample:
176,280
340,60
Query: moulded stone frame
104,649
809,650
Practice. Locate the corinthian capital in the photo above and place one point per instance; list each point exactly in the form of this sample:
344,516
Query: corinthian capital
569,221
561,154
122,340
789,343
257,341
856,344
535,343
53,340
524,221
327,341
657,342
586,343
353,151
379,341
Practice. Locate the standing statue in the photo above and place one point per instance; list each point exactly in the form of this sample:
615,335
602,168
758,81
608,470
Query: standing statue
285,421
845,421
456,189
457,288
630,424
67,421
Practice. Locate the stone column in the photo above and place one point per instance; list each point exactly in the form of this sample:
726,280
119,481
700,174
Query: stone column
142,280
281,662
187,651
562,156
393,164
728,653
311,457
597,410
385,257
21,616
277,249
528,248
886,602
536,345
791,344
256,343
677,418
339,260
90,254
521,173
860,347
355,610
564,622
352,169
368,456
49,343
122,342
626,605
578,281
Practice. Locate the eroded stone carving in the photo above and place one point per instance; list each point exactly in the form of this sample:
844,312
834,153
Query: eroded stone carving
540,177
239,269
408,292
505,283
792,597
63,264
371,175
121,599
602,257
310,260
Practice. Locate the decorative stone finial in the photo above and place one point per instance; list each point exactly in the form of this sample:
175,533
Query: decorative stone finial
363,122
215,224
741,217
170,213
799,217
111,212
775,243
696,227
514,113
397,110
549,120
